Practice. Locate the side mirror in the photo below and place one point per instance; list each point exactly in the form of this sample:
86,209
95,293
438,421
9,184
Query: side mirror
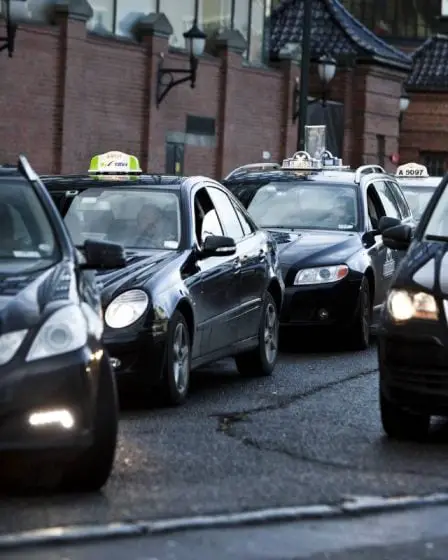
217,246
398,237
386,222
102,255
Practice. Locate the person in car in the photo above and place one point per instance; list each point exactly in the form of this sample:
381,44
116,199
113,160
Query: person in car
151,229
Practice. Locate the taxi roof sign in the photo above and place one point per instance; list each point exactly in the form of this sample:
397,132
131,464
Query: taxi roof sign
301,161
114,162
413,170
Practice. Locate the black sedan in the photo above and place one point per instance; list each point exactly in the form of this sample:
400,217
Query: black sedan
413,334
201,282
58,402
335,266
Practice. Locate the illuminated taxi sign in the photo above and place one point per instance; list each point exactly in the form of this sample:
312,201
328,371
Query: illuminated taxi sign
412,170
329,161
301,161
114,163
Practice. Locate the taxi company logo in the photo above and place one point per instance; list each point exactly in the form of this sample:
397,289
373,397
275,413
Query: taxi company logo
389,264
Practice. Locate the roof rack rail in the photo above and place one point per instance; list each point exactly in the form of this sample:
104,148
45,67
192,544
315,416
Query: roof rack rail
252,167
365,169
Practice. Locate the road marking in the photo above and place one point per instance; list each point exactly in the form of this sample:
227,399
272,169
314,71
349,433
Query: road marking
350,507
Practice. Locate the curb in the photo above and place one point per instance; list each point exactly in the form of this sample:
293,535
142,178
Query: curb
350,507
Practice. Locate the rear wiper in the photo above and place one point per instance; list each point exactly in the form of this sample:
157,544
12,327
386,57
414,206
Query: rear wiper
436,238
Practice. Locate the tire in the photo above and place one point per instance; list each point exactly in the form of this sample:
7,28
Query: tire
358,336
90,472
402,425
261,361
176,369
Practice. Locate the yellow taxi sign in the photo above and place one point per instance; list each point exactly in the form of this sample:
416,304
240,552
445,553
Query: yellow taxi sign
114,162
412,170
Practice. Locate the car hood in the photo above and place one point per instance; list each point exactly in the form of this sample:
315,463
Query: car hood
140,267
314,248
25,297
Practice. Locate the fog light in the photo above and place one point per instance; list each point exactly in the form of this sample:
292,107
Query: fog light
62,417
115,363
323,314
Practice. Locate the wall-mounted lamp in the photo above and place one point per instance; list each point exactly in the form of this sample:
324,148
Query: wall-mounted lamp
403,103
326,69
195,41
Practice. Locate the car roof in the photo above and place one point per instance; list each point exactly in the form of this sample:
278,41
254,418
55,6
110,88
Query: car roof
330,177
174,182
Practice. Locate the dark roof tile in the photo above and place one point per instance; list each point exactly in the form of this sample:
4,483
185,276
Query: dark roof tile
430,65
335,32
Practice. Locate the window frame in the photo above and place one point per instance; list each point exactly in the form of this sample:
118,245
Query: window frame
210,189
393,201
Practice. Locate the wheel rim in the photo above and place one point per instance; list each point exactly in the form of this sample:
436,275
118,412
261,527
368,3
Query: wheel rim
365,315
270,333
181,358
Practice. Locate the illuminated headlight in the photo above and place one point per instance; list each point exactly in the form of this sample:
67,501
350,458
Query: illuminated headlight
321,275
403,306
63,332
126,309
9,344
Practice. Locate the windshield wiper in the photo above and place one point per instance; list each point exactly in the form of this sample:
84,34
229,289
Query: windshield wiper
290,228
431,237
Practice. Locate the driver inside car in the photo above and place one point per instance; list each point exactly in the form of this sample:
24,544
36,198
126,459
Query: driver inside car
151,229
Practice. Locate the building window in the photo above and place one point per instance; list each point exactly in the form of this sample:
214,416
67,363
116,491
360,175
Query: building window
215,15
102,20
181,17
128,12
435,162
381,149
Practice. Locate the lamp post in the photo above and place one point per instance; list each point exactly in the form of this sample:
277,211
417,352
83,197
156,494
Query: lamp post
304,72
7,42
195,42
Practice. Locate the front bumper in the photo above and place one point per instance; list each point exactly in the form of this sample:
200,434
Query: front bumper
326,305
62,382
137,354
413,363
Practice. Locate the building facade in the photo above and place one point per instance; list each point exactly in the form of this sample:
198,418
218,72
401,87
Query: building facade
84,79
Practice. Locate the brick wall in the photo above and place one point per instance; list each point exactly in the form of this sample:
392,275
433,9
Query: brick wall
67,94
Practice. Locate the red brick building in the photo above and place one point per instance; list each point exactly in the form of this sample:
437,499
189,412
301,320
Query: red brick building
77,86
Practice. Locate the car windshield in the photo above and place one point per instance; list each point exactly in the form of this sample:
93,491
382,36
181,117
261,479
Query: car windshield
305,205
27,240
140,219
418,198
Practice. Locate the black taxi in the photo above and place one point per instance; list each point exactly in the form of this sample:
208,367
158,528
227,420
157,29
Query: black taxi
325,218
413,332
201,280
417,186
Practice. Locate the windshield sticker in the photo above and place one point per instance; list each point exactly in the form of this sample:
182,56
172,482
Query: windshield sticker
170,244
88,200
26,254
345,226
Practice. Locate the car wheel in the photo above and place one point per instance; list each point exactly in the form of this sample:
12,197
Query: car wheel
176,372
402,425
91,471
358,337
260,362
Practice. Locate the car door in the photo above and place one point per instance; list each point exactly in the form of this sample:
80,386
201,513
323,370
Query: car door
216,295
252,261
392,210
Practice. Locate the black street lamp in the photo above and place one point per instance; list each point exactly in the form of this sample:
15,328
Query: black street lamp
326,69
195,40
304,72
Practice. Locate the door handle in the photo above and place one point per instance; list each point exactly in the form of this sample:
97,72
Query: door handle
261,255
237,265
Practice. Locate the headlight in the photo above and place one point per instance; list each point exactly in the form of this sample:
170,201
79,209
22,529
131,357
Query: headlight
321,275
403,306
126,308
64,331
9,344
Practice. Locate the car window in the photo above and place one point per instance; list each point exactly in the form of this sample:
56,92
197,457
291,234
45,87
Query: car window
400,199
137,219
418,199
374,207
438,220
27,239
226,213
387,198
245,224
205,216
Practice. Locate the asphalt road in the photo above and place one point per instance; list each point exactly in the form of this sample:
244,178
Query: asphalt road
308,435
